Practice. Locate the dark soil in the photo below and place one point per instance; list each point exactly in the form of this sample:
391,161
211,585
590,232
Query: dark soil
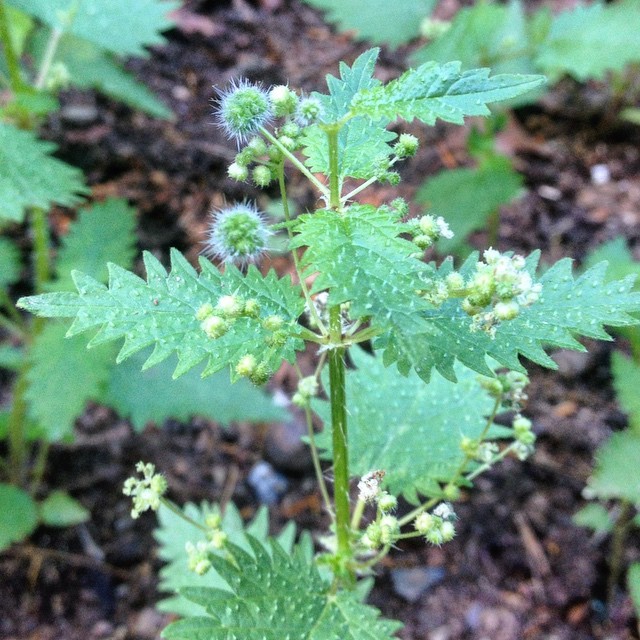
519,568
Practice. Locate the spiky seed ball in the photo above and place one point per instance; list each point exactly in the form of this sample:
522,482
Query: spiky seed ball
242,109
237,234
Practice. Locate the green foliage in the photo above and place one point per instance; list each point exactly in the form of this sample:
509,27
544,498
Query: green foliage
274,595
31,177
389,427
575,36
616,474
435,91
174,532
362,143
594,516
626,382
152,396
633,582
567,307
9,263
360,258
10,358
162,311
466,197
377,20
63,376
59,509
101,21
103,232
20,515
93,68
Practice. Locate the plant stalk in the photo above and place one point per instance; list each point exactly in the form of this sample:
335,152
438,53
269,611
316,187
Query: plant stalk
616,555
337,393
334,175
10,55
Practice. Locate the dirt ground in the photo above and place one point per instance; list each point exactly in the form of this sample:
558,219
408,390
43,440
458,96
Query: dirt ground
518,568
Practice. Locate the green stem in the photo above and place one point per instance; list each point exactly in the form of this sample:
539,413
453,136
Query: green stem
16,431
172,507
296,261
616,556
10,55
316,463
42,263
47,58
332,132
337,393
295,162
39,466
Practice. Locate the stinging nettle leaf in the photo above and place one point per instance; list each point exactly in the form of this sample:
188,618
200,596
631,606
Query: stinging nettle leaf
407,428
275,595
31,177
162,312
435,91
626,381
121,26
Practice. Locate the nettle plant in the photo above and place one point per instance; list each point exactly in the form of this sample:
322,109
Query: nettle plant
435,349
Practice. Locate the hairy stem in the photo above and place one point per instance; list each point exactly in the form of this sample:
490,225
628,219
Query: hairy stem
42,262
10,55
616,555
172,507
337,393
48,57
334,175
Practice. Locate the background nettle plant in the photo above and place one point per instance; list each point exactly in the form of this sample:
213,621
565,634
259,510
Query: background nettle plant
435,348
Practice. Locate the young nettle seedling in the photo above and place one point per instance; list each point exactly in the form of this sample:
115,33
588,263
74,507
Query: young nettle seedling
415,419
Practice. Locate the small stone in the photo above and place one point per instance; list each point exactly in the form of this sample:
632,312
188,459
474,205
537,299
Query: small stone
79,114
284,448
412,583
267,483
600,174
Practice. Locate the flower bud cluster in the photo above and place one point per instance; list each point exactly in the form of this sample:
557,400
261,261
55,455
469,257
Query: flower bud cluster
428,229
146,492
524,436
307,389
237,234
484,452
198,555
381,533
508,388
498,290
437,527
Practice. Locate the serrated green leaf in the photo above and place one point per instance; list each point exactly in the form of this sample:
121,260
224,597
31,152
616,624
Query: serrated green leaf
63,376
361,143
31,177
162,312
594,516
9,263
20,25
120,26
407,428
20,516
633,582
377,20
173,532
104,231
153,396
617,474
568,307
360,258
435,91
92,68
466,198
588,41
59,509
626,382
271,596
621,262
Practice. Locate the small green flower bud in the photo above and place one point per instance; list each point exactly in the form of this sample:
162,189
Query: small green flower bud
447,531
246,365
387,502
308,386
391,177
451,492
432,28
213,521
425,522
435,536
245,157
469,308
423,241
406,146
274,153
308,111
521,424
262,176
493,386
58,77
288,143
202,567
261,374
506,310
469,447
284,100
237,172
273,323
454,282
242,110
374,534
277,338
147,491
214,326
257,146
204,311
230,306
389,529
252,308
401,206
218,539
290,129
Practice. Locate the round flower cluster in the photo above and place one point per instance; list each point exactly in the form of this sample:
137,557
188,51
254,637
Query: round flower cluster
437,527
237,234
498,290
428,229
307,389
198,554
147,491
507,387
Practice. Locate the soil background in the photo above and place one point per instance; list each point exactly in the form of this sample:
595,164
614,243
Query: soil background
519,568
